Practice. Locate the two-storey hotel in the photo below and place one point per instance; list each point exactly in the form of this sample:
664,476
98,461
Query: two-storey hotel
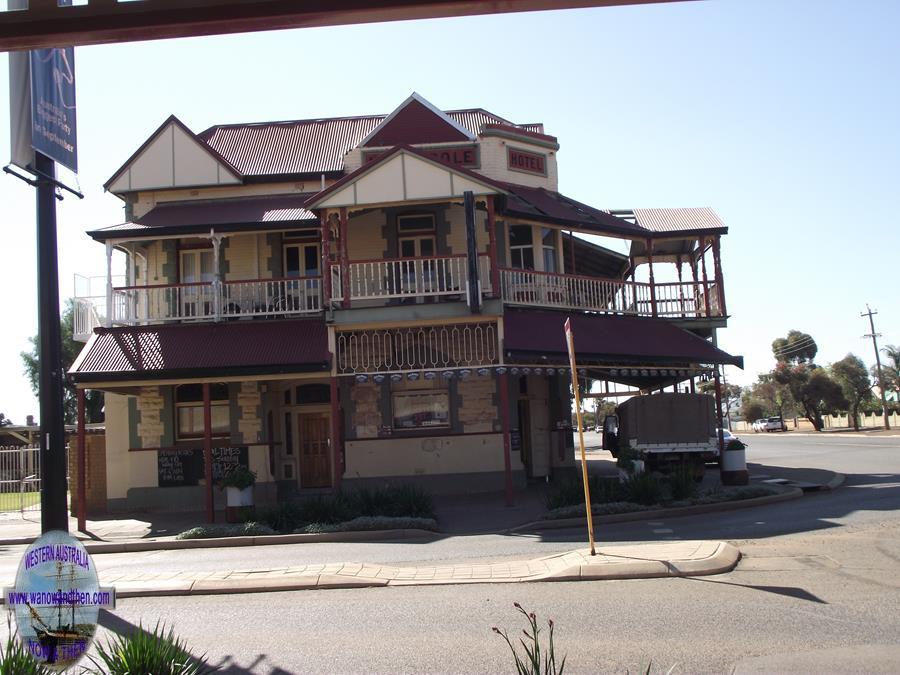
356,300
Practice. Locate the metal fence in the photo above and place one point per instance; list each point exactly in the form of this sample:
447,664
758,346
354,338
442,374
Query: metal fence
20,478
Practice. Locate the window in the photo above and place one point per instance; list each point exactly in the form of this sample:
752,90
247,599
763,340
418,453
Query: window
416,247
197,266
301,260
415,222
189,411
548,245
421,409
521,247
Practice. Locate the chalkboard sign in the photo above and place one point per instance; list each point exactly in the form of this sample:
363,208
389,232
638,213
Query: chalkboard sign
185,466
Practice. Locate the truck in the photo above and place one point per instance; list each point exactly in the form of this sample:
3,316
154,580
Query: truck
665,429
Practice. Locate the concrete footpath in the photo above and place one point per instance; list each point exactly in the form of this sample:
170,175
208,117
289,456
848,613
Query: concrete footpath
640,561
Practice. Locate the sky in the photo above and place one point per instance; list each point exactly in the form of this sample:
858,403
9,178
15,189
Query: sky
780,115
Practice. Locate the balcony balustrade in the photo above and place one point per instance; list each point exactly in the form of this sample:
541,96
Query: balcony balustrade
612,296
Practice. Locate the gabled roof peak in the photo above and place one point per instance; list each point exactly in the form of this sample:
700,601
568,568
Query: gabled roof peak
440,128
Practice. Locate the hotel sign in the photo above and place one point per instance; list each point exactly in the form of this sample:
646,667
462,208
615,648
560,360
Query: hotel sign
526,162
465,156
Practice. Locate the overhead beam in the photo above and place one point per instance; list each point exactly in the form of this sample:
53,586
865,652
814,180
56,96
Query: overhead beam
44,24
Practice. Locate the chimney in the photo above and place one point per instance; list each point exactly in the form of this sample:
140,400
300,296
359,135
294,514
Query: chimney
29,420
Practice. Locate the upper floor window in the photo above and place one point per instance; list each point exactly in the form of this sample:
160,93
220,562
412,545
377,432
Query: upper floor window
301,260
521,247
420,222
197,266
189,411
548,248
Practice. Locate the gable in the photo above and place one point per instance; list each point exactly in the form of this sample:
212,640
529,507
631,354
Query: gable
413,123
403,176
172,157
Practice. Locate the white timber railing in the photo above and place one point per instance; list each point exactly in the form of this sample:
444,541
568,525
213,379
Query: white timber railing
612,296
412,277
133,305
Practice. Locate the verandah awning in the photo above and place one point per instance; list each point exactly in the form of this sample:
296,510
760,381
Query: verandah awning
232,348
535,336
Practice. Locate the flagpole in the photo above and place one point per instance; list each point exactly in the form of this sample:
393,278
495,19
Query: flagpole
570,342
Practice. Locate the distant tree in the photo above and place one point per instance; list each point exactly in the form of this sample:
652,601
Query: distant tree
93,400
796,348
751,409
5,421
731,395
813,390
890,368
774,397
850,372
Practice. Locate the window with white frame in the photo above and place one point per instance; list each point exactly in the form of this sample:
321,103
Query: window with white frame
548,247
421,409
189,411
521,247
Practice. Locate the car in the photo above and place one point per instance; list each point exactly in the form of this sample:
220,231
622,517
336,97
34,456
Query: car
728,436
759,425
775,424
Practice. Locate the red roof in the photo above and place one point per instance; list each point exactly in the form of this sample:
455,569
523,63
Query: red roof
204,350
315,146
415,122
607,339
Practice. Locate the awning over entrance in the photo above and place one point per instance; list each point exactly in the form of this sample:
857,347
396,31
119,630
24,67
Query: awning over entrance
203,350
602,340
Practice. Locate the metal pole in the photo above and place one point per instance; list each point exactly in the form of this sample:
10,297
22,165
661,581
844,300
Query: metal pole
570,341
503,387
52,439
874,336
82,464
207,454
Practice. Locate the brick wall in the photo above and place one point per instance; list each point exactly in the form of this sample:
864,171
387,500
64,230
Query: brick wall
95,474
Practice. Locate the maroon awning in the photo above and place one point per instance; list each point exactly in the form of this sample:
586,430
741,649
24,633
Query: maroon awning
530,335
258,347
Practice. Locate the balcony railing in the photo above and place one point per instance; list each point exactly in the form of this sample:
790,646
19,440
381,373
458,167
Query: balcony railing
433,276
612,296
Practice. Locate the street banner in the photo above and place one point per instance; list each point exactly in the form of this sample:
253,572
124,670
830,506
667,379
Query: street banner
570,343
53,128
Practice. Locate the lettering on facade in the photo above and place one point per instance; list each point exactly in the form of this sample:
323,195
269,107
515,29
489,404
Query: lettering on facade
465,156
527,162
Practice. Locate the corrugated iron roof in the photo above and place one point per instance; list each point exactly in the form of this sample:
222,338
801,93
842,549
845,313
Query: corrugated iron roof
612,339
195,350
678,220
315,145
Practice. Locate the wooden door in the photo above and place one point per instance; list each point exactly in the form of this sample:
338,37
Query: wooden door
312,437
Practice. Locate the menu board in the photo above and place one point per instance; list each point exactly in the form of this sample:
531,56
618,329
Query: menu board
184,466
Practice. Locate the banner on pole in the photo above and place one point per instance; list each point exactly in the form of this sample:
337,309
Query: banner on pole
53,127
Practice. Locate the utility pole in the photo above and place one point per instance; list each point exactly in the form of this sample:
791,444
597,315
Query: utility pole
875,336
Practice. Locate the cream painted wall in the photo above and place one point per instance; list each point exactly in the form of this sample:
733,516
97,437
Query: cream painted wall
117,455
494,163
426,456
242,256
457,237
364,236
539,417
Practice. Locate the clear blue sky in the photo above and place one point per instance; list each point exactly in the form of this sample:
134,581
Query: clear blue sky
782,116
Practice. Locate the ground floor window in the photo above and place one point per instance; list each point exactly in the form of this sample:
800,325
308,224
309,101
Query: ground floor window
421,409
189,410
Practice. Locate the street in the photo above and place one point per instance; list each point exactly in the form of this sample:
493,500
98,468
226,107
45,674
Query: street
820,574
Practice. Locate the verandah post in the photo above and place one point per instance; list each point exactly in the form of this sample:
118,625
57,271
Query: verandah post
717,268
207,454
492,248
705,278
652,279
345,261
326,259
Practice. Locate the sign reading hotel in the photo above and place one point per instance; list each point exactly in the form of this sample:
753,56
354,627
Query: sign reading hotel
526,162
465,156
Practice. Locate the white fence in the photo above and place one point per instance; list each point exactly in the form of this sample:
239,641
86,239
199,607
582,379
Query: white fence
20,478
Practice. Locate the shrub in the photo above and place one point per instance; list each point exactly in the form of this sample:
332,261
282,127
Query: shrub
239,477
644,488
15,659
371,523
533,662
250,529
681,482
570,492
143,653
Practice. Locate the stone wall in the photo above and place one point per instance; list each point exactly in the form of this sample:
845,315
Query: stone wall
478,405
366,417
249,404
151,409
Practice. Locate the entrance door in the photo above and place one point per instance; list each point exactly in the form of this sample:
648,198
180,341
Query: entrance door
312,437
525,435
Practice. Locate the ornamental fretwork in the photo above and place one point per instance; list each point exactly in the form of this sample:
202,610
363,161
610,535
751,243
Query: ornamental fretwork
422,348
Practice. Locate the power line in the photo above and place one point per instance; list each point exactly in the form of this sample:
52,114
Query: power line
795,347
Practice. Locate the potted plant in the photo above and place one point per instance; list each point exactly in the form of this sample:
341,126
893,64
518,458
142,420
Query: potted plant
238,485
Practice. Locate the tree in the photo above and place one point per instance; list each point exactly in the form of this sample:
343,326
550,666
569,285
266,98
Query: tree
812,389
796,348
890,369
93,400
850,372
751,408
731,395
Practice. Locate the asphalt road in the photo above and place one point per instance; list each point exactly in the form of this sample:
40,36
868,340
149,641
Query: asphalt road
819,585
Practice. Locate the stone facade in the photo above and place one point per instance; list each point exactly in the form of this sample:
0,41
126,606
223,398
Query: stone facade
478,406
151,408
249,403
366,418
